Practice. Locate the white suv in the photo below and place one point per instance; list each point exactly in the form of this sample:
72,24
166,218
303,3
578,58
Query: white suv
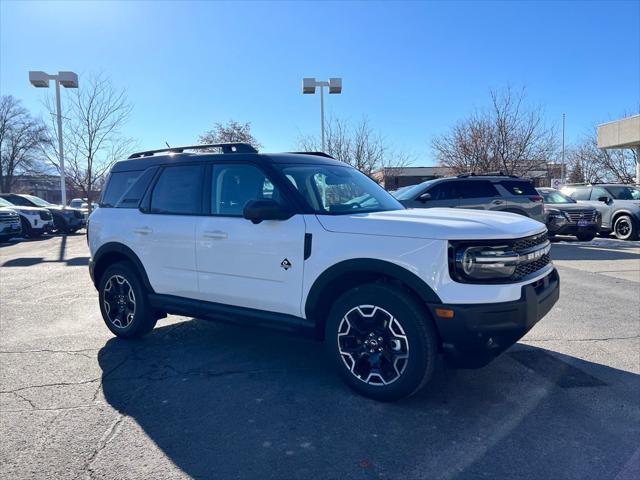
304,242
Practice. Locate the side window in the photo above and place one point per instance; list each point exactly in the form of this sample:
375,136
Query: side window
119,183
178,191
581,194
519,187
476,189
443,191
232,186
598,192
131,198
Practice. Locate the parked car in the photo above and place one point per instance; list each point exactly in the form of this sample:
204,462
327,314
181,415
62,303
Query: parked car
307,243
65,219
618,204
565,216
34,221
82,204
503,193
10,225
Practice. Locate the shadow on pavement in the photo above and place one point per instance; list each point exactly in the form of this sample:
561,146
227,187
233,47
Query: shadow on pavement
31,261
223,401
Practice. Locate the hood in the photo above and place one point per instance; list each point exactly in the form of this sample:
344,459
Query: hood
20,208
60,208
567,207
435,223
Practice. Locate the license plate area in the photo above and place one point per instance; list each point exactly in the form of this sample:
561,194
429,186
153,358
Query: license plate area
583,223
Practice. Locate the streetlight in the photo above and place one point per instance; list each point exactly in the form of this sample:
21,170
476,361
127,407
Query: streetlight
67,80
309,87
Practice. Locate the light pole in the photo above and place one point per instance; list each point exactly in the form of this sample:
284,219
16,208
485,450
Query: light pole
67,80
309,87
563,173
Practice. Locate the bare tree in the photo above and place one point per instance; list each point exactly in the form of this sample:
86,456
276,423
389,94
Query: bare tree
21,136
93,140
508,136
596,165
230,132
357,145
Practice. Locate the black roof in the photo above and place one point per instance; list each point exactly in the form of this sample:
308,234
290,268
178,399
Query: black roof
143,162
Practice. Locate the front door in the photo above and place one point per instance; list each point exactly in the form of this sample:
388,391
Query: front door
257,266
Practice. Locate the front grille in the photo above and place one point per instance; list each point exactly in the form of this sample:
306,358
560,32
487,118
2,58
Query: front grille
527,243
78,214
525,269
45,215
575,215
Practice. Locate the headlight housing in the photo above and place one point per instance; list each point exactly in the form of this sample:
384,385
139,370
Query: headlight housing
486,263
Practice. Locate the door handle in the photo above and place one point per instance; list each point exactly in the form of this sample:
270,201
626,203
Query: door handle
143,230
497,202
216,235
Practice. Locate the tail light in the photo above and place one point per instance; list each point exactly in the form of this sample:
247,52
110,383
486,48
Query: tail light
536,198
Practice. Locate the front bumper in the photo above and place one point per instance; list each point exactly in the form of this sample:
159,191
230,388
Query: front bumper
568,228
478,333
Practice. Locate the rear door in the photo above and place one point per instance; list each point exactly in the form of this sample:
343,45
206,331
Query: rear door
479,194
163,233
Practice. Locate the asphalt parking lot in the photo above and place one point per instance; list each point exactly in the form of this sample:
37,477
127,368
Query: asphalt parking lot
206,400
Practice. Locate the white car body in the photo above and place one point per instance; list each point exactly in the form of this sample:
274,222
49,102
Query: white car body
181,260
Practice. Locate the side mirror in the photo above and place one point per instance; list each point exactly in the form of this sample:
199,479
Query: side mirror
425,197
604,199
259,210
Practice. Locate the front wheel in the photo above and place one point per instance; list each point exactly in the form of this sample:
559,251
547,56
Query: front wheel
123,302
382,341
625,228
586,237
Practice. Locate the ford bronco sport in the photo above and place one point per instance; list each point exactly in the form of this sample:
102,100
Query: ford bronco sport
307,243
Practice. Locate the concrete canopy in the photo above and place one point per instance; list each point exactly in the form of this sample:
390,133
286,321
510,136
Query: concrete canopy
624,133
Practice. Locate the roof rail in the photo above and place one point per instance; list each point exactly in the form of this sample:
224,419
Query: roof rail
319,154
487,174
225,147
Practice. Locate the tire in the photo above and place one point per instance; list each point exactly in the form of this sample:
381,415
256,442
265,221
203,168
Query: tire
586,237
136,317
625,228
407,352
27,231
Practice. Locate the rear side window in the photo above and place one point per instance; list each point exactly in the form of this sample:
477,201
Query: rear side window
581,194
131,198
119,183
476,189
178,191
519,187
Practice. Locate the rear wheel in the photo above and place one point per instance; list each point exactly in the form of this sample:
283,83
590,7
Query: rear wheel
625,228
381,341
123,302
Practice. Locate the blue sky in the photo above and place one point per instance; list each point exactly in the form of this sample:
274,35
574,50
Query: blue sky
412,68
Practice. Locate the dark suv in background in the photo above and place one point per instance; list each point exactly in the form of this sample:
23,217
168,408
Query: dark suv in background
565,216
505,193
618,204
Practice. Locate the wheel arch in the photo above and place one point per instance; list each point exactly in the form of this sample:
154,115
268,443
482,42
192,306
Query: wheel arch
618,213
113,252
349,273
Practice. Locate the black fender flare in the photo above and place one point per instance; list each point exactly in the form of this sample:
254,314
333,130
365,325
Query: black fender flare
121,250
373,266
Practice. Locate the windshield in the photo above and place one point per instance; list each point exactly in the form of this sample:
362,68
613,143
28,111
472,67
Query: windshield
412,192
76,203
553,196
624,193
4,203
334,190
37,201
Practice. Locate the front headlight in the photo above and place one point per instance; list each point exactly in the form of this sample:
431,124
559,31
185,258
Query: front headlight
486,263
